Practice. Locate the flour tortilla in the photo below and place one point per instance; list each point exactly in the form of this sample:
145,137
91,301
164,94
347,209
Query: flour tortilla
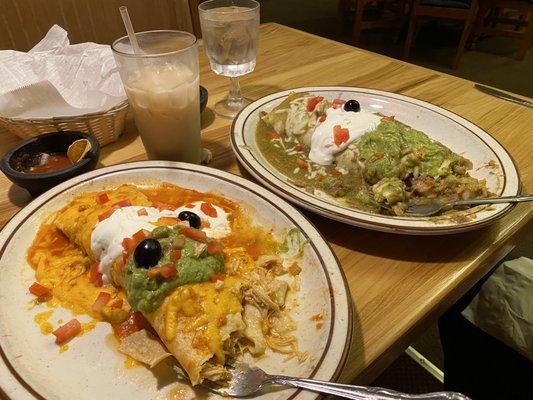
144,347
190,358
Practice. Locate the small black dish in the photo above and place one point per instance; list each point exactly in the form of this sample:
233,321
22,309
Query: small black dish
203,98
28,151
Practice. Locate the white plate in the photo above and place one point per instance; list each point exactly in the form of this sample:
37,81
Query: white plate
460,135
31,366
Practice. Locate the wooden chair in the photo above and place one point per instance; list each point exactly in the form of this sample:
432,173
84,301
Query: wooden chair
25,22
489,19
460,10
390,14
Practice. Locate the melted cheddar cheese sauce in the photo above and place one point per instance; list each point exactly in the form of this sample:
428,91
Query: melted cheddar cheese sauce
42,321
62,267
206,307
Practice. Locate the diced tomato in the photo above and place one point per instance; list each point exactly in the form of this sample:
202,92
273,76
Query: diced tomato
102,299
175,255
106,214
154,272
139,236
337,103
93,271
163,206
301,164
39,290
95,277
66,332
273,135
142,212
117,303
134,323
336,172
102,198
168,271
340,135
214,247
169,220
99,280
208,209
128,244
218,277
322,118
193,234
123,203
312,103
298,147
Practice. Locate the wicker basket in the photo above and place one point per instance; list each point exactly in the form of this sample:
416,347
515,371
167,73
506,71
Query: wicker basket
106,126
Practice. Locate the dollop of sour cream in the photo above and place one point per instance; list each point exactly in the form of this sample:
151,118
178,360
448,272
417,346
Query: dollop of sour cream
323,147
107,236
216,227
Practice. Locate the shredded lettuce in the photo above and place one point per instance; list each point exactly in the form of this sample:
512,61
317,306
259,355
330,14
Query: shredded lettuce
293,245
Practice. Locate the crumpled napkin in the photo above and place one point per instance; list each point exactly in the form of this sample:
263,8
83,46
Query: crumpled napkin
503,308
56,79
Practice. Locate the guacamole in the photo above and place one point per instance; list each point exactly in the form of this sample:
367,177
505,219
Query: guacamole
394,150
145,293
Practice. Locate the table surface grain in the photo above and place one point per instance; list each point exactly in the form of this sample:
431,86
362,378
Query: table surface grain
399,284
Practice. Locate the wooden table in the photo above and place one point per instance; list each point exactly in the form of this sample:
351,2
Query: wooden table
399,284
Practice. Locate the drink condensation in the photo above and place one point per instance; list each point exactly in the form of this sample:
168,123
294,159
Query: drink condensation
230,38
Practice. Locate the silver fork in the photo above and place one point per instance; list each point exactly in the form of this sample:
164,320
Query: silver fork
247,380
429,209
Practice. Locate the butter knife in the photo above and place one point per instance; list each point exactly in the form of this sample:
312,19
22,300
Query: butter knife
502,95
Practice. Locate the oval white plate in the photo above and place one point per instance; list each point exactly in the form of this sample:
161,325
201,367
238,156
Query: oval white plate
458,134
31,366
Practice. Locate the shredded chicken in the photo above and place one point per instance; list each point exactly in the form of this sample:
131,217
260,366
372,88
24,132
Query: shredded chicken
281,324
267,324
272,264
215,373
278,291
258,296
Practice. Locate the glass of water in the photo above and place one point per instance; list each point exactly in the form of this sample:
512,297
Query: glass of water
230,30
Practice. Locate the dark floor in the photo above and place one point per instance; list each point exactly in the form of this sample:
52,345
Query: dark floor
489,62
407,376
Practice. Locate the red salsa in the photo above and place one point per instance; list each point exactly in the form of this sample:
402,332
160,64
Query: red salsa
53,162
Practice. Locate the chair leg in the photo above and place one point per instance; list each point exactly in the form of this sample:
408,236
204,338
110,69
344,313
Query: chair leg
410,36
461,47
483,13
464,37
526,40
401,11
359,8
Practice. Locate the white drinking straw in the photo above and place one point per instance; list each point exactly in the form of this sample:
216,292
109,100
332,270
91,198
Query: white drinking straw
129,29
